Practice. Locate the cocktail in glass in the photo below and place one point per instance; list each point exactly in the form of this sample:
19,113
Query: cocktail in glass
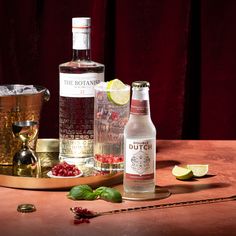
111,113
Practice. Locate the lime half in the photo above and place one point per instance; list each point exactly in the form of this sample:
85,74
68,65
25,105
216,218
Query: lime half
118,92
199,170
182,173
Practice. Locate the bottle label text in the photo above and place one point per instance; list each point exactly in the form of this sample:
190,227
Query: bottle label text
139,107
79,85
139,158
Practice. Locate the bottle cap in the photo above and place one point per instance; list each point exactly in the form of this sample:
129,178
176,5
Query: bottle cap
140,84
25,208
81,22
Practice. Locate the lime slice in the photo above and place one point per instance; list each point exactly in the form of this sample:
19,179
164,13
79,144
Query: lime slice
118,92
198,170
182,173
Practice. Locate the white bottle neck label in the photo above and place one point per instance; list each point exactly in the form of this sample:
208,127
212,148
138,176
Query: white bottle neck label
79,85
81,41
140,158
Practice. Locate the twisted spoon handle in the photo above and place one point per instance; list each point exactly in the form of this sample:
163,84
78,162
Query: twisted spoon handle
167,205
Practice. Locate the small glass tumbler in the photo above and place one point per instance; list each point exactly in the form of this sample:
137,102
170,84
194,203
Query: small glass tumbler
111,113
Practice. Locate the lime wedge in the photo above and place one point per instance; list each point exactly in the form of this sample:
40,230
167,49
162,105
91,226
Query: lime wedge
182,173
198,170
118,92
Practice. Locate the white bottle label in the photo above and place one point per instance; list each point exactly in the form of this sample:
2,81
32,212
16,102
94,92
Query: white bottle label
79,85
139,158
81,41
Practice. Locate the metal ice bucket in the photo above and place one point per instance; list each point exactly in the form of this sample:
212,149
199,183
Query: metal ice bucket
18,107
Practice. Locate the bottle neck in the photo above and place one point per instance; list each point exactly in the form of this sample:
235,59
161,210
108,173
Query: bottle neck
81,46
81,55
140,105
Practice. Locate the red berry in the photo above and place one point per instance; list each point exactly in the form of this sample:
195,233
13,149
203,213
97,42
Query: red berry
65,169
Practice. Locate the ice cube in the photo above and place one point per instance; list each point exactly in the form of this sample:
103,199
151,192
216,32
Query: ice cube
4,91
29,89
102,85
17,90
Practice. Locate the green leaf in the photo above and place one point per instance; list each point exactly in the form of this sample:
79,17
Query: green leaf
85,192
82,192
99,190
109,194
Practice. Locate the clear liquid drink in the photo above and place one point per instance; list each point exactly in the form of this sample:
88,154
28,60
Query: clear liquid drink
140,143
110,117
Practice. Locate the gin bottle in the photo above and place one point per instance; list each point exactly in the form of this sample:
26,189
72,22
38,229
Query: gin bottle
76,97
140,143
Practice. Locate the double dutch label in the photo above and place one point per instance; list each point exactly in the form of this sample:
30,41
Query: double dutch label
139,159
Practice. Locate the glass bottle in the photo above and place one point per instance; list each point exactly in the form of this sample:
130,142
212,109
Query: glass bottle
140,143
76,97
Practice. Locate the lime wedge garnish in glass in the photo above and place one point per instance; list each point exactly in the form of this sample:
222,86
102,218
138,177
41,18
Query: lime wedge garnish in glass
182,173
199,170
118,92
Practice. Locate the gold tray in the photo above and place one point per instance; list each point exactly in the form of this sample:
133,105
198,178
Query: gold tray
47,150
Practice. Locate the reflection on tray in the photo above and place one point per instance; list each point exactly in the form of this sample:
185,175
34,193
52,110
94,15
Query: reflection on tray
47,151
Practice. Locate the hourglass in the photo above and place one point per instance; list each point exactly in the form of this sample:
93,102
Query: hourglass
25,161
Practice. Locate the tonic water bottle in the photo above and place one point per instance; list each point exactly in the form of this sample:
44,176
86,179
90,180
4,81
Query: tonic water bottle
140,143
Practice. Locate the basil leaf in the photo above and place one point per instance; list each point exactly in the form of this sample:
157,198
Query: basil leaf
82,192
109,194
99,191
85,192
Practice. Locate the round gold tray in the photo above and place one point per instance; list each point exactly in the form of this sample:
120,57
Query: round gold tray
47,151
59,184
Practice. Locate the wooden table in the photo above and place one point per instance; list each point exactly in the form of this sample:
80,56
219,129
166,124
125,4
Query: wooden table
53,216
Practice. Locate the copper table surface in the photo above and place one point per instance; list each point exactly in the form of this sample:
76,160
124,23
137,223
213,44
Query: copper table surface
53,216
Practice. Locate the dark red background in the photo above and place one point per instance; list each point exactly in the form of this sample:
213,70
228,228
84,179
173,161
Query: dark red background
185,49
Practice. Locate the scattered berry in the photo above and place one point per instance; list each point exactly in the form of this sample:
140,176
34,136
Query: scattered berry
65,169
82,215
109,158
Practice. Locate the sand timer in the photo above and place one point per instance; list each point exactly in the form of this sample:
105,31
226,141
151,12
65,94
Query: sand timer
25,161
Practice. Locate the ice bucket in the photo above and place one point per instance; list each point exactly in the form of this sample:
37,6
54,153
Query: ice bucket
18,103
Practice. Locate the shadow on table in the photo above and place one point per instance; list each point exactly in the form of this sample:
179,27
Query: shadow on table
163,145
166,163
182,188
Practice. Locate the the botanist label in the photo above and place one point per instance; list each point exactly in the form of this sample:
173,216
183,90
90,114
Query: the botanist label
139,107
139,159
79,85
76,148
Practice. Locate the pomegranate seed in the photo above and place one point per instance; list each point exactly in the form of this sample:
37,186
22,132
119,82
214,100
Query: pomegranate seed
80,221
109,158
65,169
82,215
